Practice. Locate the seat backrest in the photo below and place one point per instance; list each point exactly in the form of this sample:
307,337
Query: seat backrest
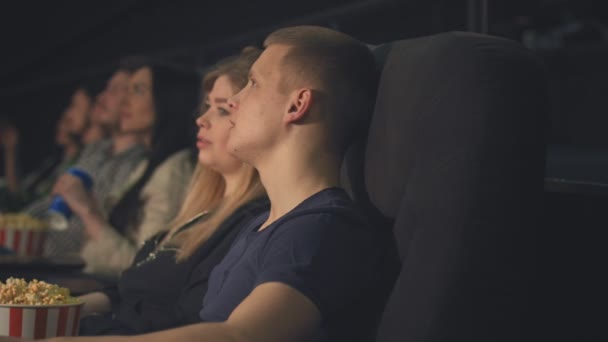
455,155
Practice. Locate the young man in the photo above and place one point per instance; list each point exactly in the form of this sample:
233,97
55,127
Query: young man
307,270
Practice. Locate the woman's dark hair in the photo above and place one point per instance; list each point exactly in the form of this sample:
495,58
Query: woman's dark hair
176,94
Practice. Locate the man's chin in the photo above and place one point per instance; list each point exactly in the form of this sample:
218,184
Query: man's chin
237,152
232,144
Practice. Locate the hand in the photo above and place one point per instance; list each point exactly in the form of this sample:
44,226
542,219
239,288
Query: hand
9,136
82,203
74,193
95,303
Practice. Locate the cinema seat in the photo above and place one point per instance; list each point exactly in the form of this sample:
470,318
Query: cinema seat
453,163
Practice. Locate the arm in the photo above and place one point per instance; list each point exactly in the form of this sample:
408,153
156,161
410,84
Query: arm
95,302
10,170
9,139
82,202
272,312
84,205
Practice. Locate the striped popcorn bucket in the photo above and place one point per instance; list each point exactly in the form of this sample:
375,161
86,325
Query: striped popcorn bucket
39,321
22,241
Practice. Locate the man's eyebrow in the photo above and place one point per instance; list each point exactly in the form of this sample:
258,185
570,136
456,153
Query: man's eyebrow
220,100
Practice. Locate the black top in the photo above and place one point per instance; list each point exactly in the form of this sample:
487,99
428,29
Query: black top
322,248
158,293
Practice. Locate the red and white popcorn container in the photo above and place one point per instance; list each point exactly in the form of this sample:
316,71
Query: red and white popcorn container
22,241
39,321
24,235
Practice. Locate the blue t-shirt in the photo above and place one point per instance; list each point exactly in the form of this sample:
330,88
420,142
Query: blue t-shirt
322,248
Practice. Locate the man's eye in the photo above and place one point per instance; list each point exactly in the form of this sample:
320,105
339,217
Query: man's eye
223,111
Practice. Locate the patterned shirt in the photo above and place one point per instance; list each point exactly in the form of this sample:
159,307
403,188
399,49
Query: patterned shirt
109,172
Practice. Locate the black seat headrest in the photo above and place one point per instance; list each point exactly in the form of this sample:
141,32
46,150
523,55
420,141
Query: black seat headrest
455,154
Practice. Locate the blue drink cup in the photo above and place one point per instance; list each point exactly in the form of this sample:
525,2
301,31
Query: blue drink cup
59,212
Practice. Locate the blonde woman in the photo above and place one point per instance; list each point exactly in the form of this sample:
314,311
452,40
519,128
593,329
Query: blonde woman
165,285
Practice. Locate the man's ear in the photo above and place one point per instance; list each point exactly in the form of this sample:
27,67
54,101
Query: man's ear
298,105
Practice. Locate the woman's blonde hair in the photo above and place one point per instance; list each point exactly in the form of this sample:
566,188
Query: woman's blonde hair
207,186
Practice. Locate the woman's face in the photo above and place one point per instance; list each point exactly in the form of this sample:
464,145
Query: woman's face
214,127
109,102
77,114
138,114
62,133
73,122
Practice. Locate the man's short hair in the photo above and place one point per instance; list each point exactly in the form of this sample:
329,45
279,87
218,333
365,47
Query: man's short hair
340,67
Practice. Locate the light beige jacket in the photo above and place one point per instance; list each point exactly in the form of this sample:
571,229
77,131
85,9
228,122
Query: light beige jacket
162,197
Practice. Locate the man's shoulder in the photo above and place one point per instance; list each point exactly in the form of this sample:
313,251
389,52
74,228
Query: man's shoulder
324,218
327,207
330,216
323,223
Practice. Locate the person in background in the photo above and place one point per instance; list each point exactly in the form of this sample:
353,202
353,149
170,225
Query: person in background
96,130
9,140
308,269
109,162
165,284
69,131
160,102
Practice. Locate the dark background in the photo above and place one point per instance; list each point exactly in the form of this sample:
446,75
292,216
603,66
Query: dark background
50,47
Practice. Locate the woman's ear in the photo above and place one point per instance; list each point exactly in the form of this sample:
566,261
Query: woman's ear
298,105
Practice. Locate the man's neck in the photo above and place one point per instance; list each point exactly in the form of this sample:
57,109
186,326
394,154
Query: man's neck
123,141
297,178
232,180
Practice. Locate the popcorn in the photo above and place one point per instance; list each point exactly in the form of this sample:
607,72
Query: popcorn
16,291
23,234
21,221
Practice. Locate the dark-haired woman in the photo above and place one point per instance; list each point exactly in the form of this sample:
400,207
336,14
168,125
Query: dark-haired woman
160,102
